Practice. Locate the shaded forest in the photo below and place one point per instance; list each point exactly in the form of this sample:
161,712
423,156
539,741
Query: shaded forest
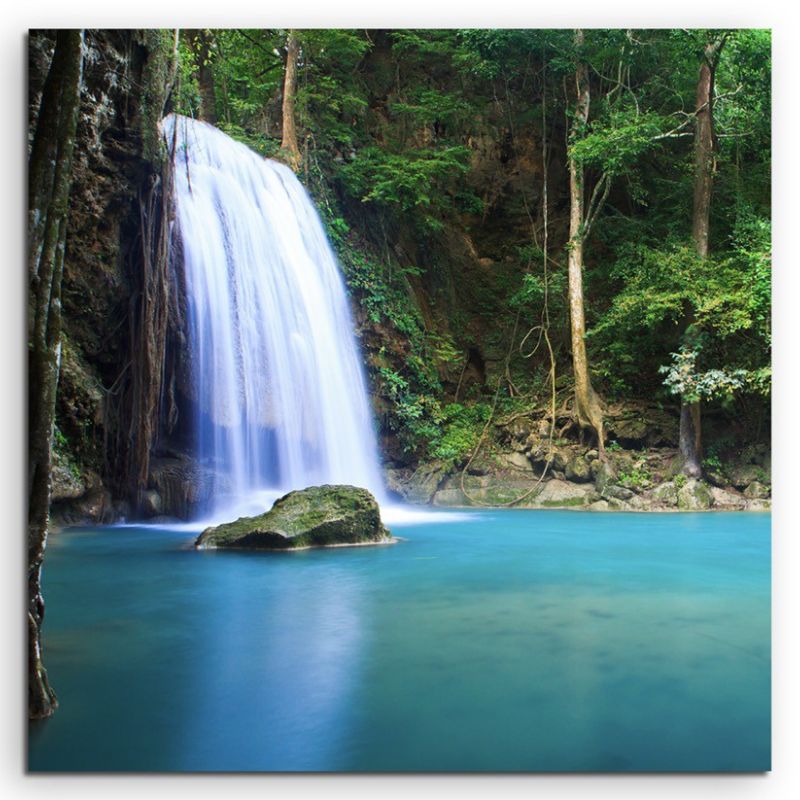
468,178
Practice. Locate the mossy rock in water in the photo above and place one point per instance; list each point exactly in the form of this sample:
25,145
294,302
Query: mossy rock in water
320,516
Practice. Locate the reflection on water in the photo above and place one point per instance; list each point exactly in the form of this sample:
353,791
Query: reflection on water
517,640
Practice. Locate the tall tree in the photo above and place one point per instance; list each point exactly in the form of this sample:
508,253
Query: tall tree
587,404
201,44
289,139
690,439
50,179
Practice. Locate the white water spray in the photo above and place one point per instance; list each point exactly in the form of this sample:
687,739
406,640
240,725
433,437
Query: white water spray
281,397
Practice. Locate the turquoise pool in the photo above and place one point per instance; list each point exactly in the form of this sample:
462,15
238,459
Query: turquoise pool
489,641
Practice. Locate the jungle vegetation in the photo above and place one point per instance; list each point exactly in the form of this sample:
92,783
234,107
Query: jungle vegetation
528,220
641,241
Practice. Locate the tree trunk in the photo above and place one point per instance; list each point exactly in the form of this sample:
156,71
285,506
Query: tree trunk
149,323
289,140
704,150
200,43
50,178
690,439
587,405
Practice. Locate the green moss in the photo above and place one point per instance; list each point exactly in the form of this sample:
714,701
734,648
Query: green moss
569,502
156,74
315,517
461,428
638,476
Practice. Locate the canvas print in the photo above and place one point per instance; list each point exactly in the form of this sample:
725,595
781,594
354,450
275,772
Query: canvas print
399,400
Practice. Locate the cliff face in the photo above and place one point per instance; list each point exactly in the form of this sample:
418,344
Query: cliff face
117,152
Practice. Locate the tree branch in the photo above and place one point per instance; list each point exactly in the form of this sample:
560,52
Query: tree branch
596,202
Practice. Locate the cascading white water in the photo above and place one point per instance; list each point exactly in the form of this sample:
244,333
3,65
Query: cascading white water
281,397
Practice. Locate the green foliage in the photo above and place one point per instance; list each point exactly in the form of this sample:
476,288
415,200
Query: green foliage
413,139
415,416
412,387
331,99
263,145
59,440
614,143
683,379
638,476
425,106
413,180
712,461
727,296
751,258
461,429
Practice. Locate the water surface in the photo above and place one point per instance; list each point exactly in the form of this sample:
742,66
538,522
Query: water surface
505,640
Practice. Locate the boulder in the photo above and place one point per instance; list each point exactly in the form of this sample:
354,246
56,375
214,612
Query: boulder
603,474
724,498
561,494
424,482
618,492
543,428
320,516
614,504
396,479
639,425
716,477
66,483
93,508
560,459
756,491
578,470
482,465
694,495
636,503
518,431
599,505
757,505
630,431
515,461
491,490
666,494
450,496
540,454
742,475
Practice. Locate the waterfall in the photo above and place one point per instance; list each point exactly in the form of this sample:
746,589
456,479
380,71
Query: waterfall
278,386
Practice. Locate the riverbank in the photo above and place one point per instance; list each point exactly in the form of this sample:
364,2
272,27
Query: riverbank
641,473
575,477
